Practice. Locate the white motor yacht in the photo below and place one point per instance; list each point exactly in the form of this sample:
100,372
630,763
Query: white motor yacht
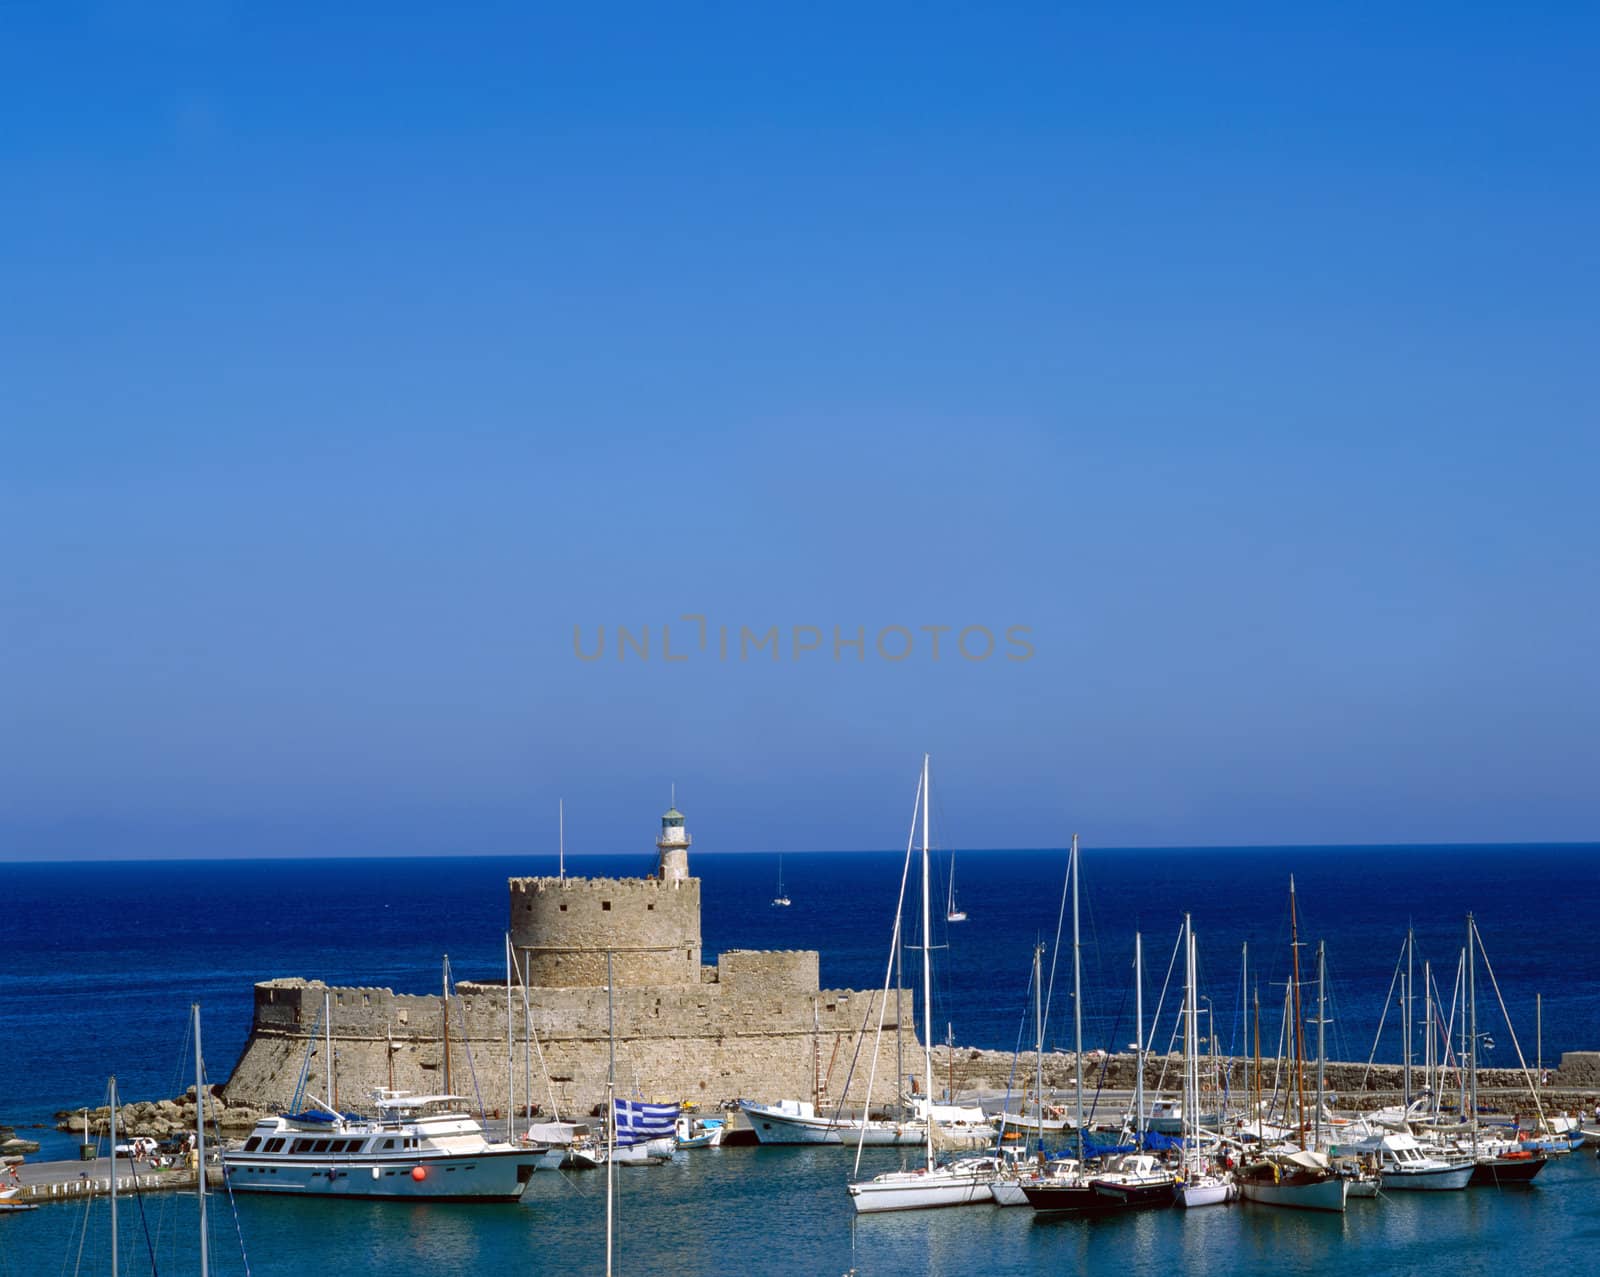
417,1147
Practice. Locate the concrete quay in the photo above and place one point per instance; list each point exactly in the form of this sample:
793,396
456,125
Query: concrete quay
73,1181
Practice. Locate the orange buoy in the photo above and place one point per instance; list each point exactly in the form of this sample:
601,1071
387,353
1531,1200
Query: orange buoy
419,1173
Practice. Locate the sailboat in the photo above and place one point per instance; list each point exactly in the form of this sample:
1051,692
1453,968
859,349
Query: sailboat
781,900
957,1183
1297,1177
1201,1186
1065,1187
951,912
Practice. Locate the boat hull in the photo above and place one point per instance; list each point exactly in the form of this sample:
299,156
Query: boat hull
1218,1194
918,1190
1323,1194
774,1127
885,1135
1498,1171
1136,1196
1008,1192
1065,1197
476,1177
1440,1179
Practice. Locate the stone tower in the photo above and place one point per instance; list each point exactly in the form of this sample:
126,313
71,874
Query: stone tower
562,928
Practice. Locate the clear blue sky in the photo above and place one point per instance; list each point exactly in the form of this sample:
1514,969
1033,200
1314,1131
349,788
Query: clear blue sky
350,356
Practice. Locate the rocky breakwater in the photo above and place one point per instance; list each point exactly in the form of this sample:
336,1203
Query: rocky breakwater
160,1118
1350,1086
12,1145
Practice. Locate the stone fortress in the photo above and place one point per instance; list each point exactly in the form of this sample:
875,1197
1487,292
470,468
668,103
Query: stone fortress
755,1025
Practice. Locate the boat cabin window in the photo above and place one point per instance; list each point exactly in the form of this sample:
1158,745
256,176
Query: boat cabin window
272,1146
252,1144
301,1146
321,1146
388,1143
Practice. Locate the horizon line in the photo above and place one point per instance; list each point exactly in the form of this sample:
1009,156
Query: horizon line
834,851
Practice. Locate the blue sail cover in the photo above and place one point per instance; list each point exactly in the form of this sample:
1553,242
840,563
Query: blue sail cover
1156,1142
638,1122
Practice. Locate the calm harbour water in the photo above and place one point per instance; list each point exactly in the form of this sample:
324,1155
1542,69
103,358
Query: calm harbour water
785,1212
101,962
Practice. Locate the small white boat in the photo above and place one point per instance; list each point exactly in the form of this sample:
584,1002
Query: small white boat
566,1145
690,1131
1207,1189
1055,1119
1402,1164
781,900
652,1152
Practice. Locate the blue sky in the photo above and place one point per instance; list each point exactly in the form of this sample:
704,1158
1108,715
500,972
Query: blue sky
350,359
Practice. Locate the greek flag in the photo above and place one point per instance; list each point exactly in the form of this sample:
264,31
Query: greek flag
638,1122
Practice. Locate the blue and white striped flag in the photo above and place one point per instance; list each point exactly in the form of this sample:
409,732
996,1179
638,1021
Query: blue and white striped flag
638,1122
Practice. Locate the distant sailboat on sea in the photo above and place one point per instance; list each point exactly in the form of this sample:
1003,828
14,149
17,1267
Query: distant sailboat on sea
952,913
781,900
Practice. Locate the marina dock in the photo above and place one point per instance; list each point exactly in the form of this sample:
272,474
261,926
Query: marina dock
73,1181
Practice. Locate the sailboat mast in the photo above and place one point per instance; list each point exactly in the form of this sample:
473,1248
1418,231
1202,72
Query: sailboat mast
611,1111
445,980
1138,1043
1472,1028
1191,1046
899,1025
1244,1002
1258,1061
1538,1035
327,1042
1299,1035
1428,1026
561,838
511,1050
199,1143
1077,998
927,966
1322,980
1409,999
1038,1036
113,1089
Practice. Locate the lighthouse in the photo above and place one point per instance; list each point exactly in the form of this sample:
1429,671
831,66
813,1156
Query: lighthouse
674,847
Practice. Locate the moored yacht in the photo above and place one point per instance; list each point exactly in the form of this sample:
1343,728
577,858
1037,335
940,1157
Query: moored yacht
1402,1163
417,1147
1294,1178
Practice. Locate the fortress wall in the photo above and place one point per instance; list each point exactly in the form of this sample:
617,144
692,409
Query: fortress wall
710,1042
562,927
751,972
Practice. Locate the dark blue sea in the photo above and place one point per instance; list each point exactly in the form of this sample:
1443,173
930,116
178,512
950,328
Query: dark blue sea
100,963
